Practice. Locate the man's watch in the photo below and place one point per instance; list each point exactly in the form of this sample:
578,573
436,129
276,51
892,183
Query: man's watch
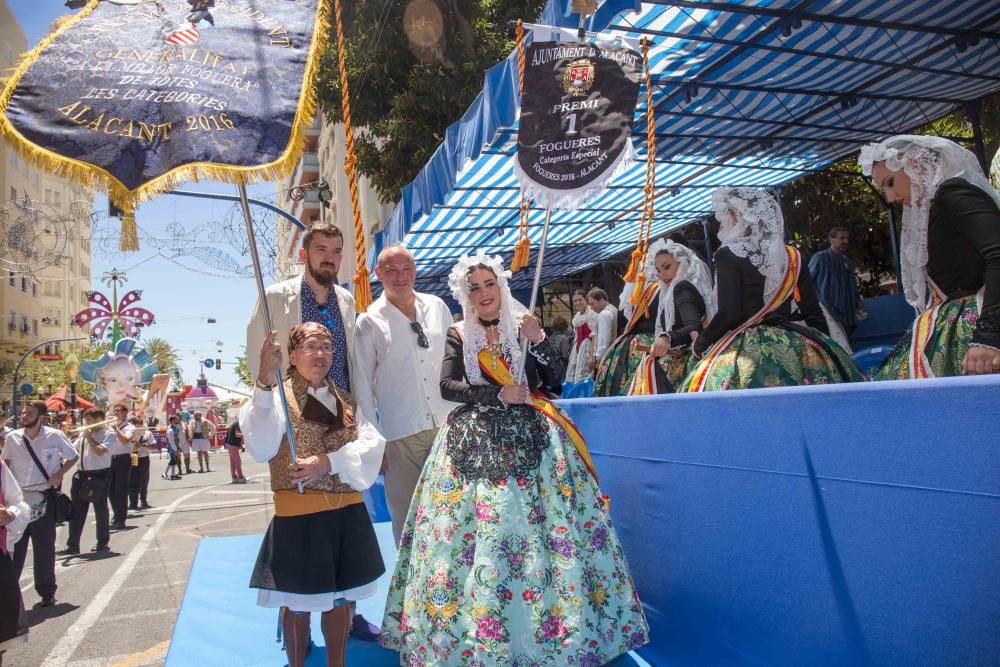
263,386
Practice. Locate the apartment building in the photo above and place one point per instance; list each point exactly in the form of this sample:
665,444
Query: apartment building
323,159
38,305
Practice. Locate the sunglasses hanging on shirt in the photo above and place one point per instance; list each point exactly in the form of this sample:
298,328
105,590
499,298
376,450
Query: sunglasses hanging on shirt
421,336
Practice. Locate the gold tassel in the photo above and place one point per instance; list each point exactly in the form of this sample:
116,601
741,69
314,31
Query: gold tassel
129,239
362,290
640,287
522,250
633,266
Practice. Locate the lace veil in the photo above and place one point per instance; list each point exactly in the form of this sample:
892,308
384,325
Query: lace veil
751,226
928,162
473,332
690,268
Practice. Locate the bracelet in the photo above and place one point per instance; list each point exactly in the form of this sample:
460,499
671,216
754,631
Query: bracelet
262,386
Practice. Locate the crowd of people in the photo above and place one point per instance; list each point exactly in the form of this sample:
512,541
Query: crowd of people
507,553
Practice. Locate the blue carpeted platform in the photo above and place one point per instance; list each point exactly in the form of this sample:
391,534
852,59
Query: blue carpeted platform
220,623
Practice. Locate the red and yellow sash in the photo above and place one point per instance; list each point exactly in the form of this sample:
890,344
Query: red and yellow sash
785,291
496,368
644,381
923,329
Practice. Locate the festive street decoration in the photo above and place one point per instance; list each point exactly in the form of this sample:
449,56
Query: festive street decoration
121,316
117,373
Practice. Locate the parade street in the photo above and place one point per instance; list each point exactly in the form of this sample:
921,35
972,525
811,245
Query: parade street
120,608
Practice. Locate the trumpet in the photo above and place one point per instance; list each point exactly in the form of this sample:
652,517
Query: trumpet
94,427
7,421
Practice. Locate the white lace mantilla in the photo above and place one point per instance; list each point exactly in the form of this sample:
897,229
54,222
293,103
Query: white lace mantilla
691,268
751,226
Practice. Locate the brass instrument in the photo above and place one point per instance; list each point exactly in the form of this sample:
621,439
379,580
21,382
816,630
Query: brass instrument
7,421
93,427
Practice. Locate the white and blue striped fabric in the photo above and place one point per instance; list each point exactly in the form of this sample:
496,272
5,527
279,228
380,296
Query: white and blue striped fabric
754,93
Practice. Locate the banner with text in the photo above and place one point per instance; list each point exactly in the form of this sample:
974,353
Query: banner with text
134,97
577,109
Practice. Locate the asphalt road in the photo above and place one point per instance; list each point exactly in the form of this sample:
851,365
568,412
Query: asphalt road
120,609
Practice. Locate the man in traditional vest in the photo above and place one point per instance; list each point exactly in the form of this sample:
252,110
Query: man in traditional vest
320,552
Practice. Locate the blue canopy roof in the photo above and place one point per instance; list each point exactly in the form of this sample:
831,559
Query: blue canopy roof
752,93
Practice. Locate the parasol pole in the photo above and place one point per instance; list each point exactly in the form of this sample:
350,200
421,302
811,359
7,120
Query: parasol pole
248,221
534,286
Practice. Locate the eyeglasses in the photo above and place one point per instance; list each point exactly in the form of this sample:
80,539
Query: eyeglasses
324,312
310,348
421,336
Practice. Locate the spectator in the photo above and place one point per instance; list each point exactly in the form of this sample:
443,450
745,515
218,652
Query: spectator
607,324
38,457
561,340
90,483
202,432
833,273
234,443
176,435
138,484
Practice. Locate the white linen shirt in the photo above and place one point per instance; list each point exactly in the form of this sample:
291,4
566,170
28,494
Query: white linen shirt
394,378
91,459
52,448
262,422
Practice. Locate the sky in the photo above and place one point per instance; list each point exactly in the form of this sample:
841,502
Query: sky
183,293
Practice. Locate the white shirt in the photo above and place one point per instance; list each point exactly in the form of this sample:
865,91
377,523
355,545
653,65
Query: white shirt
52,448
262,422
91,459
395,379
605,331
118,447
145,442
13,500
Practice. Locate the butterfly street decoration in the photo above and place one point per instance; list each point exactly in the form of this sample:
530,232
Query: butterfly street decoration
125,318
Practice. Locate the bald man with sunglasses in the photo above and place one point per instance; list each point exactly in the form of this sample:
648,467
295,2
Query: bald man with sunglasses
398,351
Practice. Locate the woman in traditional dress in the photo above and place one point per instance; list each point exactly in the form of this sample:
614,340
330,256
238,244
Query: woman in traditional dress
584,329
320,552
676,297
949,255
14,517
509,556
753,341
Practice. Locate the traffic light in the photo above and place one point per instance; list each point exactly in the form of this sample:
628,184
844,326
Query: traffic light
218,364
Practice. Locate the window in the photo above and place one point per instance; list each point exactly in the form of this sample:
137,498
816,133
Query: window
11,280
13,193
34,180
34,289
34,327
47,197
12,318
24,284
24,324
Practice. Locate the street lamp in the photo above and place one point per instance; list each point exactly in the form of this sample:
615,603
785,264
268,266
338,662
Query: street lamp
72,368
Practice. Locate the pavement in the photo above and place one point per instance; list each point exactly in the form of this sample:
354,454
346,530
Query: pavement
119,608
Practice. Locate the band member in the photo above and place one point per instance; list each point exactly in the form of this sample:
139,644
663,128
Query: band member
39,456
121,466
90,483
14,517
320,551
138,483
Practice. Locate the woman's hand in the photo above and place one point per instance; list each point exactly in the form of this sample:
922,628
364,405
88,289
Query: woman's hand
6,516
310,469
531,329
661,347
270,359
981,361
514,394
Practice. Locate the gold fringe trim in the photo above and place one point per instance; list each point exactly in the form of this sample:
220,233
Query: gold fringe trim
362,289
95,178
522,251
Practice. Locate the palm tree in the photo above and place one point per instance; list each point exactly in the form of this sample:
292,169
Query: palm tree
165,355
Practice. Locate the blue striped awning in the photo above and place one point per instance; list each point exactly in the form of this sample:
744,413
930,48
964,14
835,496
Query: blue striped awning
753,93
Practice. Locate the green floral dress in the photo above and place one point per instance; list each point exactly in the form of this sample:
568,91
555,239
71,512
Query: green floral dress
948,345
774,356
509,555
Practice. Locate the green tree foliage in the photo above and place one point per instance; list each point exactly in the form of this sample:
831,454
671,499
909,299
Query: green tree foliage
413,69
242,369
166,357
43,374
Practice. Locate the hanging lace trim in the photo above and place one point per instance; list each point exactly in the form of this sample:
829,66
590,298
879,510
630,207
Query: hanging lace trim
489,444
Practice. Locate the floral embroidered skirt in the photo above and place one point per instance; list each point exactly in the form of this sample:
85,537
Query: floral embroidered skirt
948,345
524,571
777,356
618,367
